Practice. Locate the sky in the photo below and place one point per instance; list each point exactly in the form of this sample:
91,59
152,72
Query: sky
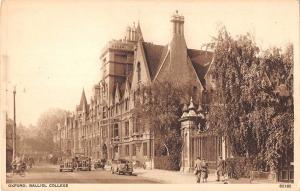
50,49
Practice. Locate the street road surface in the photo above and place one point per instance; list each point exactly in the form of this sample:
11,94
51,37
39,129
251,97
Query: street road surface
48,173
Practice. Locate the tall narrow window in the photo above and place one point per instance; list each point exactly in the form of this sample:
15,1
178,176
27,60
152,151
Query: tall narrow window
133,150
126,104
127,150
145,149
104,113
127,128
139,71
116,130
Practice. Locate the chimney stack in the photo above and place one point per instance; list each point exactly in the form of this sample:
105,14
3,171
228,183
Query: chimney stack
177,24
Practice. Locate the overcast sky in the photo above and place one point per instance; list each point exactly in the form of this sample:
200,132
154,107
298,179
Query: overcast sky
53,47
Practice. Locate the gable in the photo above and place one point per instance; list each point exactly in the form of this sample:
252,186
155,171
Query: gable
140,65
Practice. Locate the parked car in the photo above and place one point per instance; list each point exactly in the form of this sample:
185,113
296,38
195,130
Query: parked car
66,165
122,166
99,163
83,163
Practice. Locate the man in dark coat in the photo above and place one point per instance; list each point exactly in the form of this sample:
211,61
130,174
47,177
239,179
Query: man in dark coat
197,167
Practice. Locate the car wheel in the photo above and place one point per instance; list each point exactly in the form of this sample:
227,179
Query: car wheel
60,170
89,169
130,173
72,170
112,170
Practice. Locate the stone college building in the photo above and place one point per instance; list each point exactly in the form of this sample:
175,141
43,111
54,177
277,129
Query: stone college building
104,125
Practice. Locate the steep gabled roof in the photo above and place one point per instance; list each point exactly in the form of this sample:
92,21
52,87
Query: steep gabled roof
153,55
83,102
201,61
139,32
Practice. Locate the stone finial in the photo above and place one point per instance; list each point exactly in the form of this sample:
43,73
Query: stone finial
200,111
199,108
184,111
192,108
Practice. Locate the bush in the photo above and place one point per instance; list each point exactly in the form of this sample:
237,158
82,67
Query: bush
239,167
167,162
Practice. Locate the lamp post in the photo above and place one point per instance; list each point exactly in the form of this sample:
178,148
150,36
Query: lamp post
14,127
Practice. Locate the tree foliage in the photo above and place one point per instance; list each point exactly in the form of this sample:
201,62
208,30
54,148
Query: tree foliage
47,125
255,97
159,108
40,137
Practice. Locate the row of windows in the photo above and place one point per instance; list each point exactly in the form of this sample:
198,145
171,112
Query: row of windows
138,127
133,151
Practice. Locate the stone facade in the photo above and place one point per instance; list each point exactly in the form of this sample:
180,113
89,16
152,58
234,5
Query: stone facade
105,127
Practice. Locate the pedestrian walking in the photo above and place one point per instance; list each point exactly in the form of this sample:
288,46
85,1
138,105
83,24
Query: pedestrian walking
197,168
204,170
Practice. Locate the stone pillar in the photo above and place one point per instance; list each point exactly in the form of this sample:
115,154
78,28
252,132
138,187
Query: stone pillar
223,148
189,121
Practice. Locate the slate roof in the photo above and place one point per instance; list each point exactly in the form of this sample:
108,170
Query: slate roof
155,54
201,61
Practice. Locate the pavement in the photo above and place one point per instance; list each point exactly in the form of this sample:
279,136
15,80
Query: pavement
174,177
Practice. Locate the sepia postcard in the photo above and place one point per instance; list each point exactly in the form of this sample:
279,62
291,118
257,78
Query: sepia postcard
149,95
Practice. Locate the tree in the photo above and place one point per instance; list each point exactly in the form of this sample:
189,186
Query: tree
47,124
40,137
254,95
158,107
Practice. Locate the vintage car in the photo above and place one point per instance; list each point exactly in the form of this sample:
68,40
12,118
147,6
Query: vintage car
121,166
83,163
99,163
66,165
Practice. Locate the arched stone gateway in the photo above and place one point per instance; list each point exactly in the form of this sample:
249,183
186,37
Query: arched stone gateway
199,140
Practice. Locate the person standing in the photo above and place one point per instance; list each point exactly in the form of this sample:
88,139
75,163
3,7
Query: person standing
204,170
197,168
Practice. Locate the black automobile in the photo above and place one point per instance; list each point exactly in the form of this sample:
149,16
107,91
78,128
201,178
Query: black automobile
66,165
122,166
83,163
99,163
